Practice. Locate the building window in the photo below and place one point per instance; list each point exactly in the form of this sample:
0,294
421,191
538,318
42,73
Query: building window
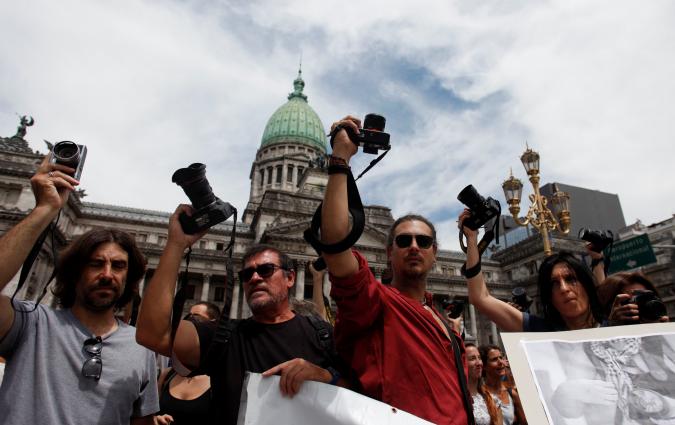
202,244
220,246
219,294
262,177
279,171
289,175
300,171
269,175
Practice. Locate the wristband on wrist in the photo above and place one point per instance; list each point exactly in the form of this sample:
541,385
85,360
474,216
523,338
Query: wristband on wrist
335,375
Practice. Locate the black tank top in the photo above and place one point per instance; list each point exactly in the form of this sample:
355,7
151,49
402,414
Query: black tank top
184,411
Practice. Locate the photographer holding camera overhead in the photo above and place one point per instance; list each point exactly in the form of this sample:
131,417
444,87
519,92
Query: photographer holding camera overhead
400,348
78,364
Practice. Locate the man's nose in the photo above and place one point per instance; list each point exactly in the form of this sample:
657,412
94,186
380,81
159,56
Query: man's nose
106,271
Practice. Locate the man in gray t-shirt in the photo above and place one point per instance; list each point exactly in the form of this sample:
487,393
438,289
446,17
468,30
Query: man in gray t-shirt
78,364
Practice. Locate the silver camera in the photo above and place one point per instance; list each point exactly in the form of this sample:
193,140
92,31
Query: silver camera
69,154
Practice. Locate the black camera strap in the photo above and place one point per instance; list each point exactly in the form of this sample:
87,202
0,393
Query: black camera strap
179,300
491,231
30,259
357,212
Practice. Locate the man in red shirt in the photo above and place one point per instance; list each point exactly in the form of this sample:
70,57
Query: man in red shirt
397,344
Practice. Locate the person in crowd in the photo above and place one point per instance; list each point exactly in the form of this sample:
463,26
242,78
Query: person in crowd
616,291
399,347
566,287
186,400
505,397
274,341
78,364
485,411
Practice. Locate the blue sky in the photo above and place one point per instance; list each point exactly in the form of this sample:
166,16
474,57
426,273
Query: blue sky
150,86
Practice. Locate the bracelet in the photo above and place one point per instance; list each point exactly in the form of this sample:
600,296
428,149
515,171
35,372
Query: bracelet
336,160
334,374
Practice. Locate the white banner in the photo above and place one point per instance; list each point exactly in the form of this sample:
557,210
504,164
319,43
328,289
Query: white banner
618,375
315,403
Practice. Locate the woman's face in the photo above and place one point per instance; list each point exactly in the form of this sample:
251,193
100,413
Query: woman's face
496,366
567,293
474,362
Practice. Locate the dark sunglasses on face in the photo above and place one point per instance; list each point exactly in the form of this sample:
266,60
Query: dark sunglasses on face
423,241
94,365
264,270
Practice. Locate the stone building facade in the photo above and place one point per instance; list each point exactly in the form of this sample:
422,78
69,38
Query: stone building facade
288,180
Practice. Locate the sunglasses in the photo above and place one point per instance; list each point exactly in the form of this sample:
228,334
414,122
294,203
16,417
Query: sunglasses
264,270
94,365
423,241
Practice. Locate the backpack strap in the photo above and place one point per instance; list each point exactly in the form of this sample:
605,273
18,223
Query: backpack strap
323,334
221,340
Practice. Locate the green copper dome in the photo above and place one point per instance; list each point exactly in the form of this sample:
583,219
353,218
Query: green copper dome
295,122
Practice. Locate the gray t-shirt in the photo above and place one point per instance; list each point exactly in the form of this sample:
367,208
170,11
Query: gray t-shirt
43,382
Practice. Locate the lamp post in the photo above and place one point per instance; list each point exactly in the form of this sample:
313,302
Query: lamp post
538,214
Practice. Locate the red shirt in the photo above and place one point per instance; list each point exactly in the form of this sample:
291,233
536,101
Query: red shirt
398,351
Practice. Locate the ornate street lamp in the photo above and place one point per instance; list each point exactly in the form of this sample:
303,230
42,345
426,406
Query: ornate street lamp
538,214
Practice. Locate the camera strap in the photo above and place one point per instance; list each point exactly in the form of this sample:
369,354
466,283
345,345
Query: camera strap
334,133
355,206
30,259
492,231
179,300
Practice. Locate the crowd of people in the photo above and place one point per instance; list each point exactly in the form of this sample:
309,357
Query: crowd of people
80,364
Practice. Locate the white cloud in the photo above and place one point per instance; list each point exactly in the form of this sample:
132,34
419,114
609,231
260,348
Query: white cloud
151,86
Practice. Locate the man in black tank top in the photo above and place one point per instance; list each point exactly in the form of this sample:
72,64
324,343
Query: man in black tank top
274,340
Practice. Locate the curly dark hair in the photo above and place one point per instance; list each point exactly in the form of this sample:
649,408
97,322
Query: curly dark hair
583,274
75,257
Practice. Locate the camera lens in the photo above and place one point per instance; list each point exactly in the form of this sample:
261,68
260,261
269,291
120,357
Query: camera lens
470,197
374,122
66,153
193,181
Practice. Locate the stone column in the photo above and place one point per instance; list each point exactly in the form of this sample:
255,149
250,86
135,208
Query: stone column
235,302
495,335
472,319
141,286
300,280
284,174
206,284
245,309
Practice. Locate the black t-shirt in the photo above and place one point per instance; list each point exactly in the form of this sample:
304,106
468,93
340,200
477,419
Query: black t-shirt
255,347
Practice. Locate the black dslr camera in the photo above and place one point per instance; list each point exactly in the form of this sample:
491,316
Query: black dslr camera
372,136
520,298
71,155
210,210
453,308
599,240
650,307
482,210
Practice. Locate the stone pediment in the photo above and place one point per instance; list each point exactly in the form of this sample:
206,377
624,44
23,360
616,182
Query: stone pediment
371,237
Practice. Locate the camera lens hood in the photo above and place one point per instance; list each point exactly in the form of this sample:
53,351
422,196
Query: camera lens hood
188,174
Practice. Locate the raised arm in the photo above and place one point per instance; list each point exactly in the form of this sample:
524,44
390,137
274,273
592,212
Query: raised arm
153,328
317,290
335,213
506,317
51,186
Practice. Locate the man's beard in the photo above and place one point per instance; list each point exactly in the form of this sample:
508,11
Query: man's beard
95,303
264,304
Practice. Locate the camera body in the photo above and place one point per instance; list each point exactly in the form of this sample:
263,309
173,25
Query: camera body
69,154
598,239
210,210
371,137
519,297
482,209
455,308
650,307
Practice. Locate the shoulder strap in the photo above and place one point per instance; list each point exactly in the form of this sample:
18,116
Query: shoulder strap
323,333
221,340
466,396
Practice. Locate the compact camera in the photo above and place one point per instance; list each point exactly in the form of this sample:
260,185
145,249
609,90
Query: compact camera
210,210
482,209
520,298
599,240
69,154
372,136
650,307
454,308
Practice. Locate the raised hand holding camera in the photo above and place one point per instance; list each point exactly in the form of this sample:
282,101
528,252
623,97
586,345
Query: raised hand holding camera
371,137
209,209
